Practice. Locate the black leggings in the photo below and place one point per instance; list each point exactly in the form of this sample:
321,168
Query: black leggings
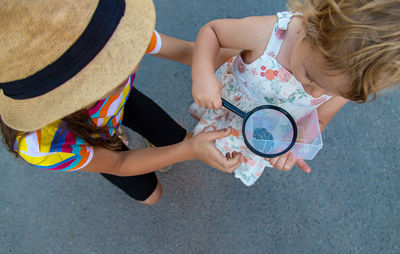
145,117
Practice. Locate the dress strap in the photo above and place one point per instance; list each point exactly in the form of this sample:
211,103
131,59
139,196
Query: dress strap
279,32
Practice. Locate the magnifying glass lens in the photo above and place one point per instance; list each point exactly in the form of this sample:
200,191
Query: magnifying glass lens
269,131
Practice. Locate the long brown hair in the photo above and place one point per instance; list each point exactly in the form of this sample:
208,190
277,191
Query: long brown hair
359,38
78,123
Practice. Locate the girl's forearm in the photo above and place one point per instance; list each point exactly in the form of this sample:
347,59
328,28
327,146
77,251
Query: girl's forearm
206,50
176,50
145,160
181,51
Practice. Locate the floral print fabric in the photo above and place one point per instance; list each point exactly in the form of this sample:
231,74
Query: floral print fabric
247,86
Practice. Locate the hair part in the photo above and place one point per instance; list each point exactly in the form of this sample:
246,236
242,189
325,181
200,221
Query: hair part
360,38
78,123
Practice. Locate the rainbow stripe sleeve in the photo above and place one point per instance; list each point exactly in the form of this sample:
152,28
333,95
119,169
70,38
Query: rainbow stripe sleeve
51,149
155,44
56,148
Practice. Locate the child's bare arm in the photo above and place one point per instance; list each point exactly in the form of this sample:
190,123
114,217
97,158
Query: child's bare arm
145,160
176,50
250,34
329,109
182,51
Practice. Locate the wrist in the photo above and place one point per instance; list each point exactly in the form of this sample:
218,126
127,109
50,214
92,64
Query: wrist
188,148
201,63
202,68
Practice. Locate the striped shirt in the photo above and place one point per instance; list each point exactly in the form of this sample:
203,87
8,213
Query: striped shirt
55,148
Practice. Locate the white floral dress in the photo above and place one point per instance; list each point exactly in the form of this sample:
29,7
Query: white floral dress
247,86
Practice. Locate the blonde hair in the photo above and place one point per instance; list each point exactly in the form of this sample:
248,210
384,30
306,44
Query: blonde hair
358,37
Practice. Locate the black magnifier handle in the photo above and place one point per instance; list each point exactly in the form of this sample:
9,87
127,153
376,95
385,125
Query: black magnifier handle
233,108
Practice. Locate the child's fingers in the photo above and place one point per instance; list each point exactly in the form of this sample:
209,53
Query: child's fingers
289,162
272,161
278,162
217,103
231,155
220,161
303,165
199,102
285,162
234,162
213,103
203,102
231,162
210,104
213,135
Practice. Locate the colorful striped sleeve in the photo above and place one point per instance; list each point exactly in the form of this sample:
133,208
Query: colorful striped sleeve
51,149
155,44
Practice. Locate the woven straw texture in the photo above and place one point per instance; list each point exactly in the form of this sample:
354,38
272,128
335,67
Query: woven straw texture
34,34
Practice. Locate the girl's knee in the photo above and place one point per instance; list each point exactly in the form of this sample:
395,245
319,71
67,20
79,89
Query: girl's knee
155,197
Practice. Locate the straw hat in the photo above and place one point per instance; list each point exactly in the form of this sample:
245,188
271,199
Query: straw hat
57,57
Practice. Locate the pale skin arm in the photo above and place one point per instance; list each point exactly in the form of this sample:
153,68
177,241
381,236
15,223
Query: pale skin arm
182,51
325,114
224,33
145,160
328,110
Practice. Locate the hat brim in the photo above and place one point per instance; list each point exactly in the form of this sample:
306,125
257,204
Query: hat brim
111,66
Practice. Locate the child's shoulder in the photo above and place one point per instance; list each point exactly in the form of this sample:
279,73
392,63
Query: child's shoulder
294,28
293,33
260,29
264,26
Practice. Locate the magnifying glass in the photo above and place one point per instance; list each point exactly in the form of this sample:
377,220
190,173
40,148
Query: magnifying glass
268,130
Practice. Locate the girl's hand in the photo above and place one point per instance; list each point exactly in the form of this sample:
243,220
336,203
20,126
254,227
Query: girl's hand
206,90
286,162
203,148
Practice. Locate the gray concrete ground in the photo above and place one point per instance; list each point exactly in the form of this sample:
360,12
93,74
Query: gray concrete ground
350,203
